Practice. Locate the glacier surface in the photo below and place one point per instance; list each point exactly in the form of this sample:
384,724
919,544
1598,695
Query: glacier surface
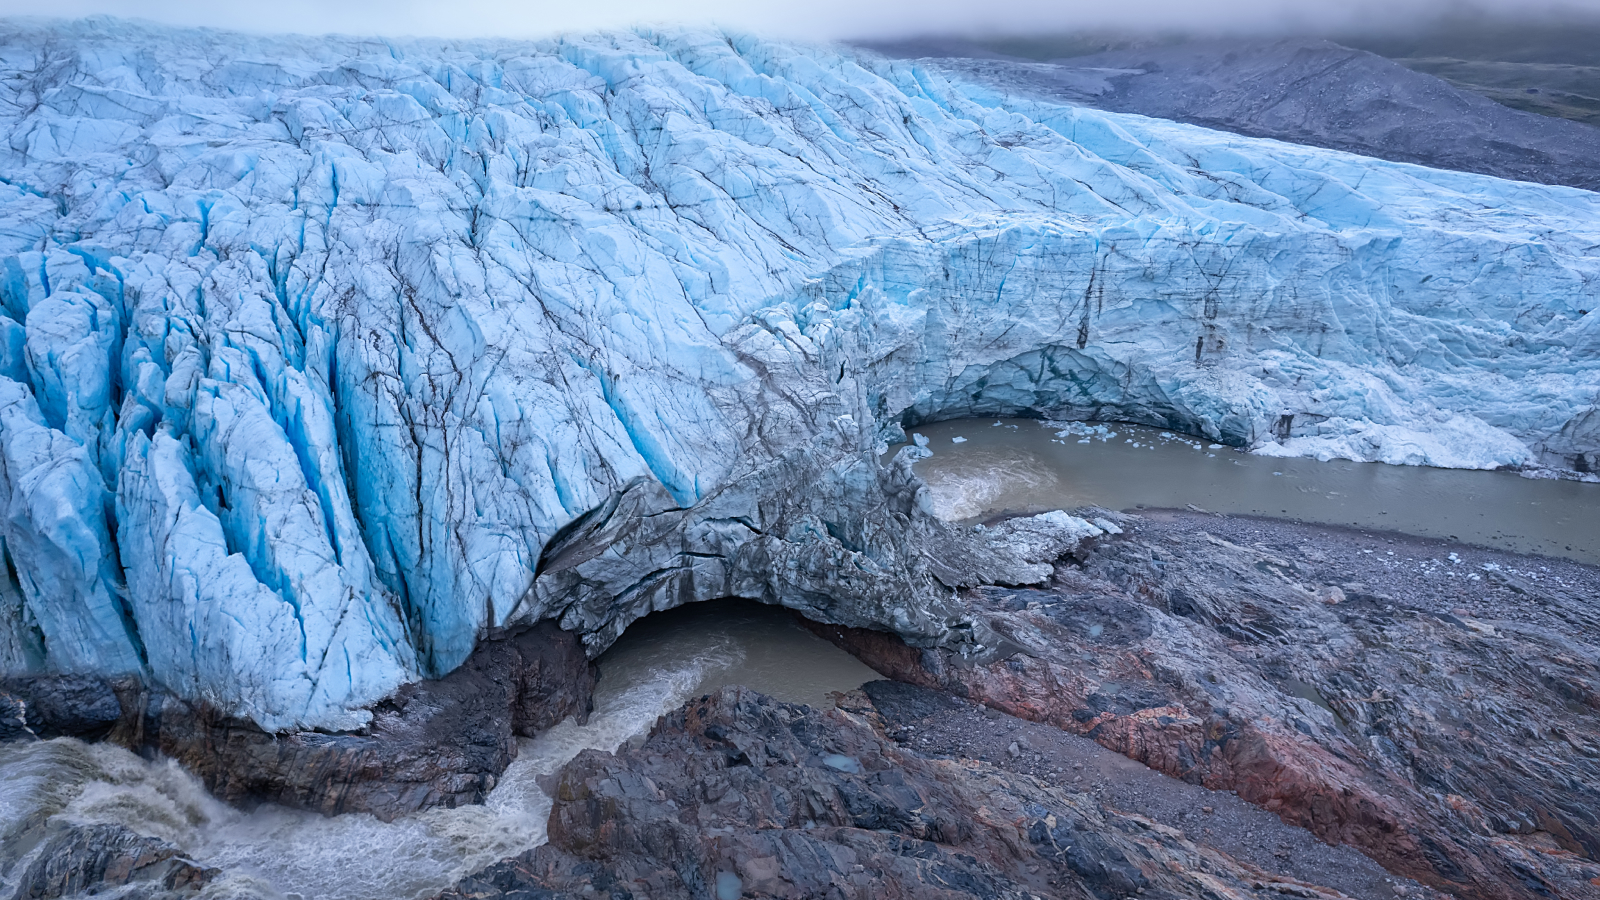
321,357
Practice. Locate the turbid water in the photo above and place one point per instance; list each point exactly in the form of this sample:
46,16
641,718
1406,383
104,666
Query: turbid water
760,647
279,853
983,467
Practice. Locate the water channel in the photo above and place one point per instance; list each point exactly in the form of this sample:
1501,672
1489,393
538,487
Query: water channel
275,853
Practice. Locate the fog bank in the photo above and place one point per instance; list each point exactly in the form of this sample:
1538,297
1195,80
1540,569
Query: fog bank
812,20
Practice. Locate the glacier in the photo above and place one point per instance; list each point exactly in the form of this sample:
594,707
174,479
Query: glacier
320,358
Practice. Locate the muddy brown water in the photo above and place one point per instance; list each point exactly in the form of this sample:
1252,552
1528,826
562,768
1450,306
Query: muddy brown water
983,467
735,642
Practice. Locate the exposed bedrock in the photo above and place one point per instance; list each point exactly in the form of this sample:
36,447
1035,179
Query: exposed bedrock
1457,746
79,860
434,743
321,359
737,795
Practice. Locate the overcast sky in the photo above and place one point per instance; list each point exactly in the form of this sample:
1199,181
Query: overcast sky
805,19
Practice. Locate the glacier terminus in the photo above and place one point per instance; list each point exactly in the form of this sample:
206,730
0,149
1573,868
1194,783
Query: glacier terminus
322,358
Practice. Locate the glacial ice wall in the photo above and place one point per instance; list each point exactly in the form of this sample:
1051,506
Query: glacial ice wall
321,357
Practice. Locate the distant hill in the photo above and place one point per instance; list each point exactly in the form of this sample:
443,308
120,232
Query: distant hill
1548,68
1306,91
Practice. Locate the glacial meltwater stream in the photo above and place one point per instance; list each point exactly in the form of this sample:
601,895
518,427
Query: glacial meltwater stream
273,852
979,468
983,467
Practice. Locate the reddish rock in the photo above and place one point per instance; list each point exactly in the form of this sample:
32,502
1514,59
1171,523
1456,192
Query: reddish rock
739,795
1464,754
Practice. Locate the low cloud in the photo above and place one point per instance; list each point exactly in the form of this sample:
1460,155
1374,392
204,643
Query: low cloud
809,20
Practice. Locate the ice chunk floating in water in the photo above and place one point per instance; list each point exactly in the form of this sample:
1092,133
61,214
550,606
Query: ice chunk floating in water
309,347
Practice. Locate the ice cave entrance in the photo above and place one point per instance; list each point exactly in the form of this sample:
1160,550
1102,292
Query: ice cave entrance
982,468
722,642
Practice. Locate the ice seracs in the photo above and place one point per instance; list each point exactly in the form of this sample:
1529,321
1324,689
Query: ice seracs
320,357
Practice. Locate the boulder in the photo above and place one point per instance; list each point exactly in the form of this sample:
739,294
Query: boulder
89,859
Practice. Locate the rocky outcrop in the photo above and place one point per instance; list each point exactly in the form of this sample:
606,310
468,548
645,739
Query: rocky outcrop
90,859
1434,705
737,795
937,724
434,743
47,706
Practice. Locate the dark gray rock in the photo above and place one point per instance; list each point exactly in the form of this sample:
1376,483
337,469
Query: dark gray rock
1312,92
89,859
738,795
435,743
47,706
13,718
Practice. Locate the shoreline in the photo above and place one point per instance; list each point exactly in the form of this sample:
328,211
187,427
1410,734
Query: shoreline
1369,557
979,470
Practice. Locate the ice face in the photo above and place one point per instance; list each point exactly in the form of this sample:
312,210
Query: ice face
314,351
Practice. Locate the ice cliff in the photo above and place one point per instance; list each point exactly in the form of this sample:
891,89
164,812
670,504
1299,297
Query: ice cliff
321,357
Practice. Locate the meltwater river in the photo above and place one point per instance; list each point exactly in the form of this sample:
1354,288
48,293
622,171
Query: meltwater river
278,853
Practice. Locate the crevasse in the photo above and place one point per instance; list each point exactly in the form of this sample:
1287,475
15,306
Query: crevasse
320,357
